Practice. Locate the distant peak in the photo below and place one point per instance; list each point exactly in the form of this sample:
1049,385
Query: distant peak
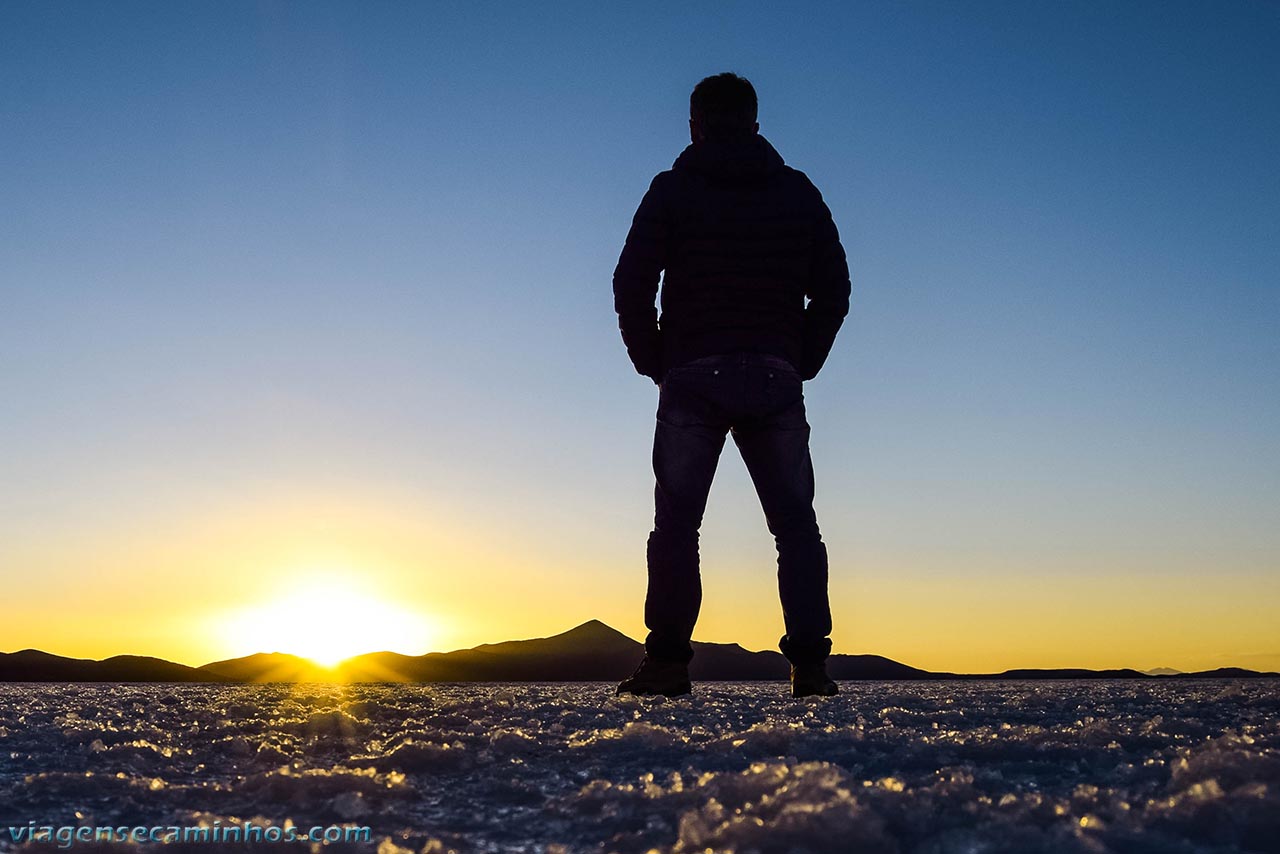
591,626
595,628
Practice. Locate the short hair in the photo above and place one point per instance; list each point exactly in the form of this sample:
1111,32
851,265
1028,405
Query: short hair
724,105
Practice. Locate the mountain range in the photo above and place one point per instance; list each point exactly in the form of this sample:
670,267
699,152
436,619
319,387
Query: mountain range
592,652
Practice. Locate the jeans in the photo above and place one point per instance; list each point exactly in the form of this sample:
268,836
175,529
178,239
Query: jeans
760,399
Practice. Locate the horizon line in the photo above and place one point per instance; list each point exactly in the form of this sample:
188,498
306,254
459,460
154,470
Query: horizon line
335,667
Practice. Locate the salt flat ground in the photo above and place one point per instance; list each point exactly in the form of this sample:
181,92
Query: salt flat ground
1089,766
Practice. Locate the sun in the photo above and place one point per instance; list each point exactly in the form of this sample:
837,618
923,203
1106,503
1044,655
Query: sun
325,616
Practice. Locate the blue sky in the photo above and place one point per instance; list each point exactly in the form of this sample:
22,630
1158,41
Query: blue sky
358,256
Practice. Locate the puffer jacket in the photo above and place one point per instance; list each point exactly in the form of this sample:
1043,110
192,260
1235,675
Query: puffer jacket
743,239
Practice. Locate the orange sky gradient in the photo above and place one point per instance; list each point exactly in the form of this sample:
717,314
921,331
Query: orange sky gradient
225,586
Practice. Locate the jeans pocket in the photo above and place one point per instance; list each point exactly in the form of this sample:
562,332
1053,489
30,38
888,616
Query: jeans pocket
784,390
781,366
691,395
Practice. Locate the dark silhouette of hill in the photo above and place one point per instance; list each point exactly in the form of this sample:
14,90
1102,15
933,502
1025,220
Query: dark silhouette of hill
727,661
1062,673
1220,673
270,667
591,652
32,665
875,667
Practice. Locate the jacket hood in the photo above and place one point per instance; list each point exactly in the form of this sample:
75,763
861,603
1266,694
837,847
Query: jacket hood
742,160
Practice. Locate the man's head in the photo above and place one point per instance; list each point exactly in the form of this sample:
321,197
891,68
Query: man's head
722,106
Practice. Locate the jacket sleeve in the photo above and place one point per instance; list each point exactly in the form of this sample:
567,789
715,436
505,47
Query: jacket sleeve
635,283
828,292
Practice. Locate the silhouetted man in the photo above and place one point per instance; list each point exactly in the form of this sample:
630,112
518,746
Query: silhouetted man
743,240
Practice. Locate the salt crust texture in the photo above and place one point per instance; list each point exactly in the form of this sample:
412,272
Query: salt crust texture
926,768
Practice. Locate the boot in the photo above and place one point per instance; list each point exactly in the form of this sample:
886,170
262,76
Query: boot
657,676
812,680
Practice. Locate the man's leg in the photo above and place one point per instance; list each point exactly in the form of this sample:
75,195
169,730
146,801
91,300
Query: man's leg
686,447
775,449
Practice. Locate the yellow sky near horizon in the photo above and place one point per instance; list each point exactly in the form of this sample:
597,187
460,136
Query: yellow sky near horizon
331,578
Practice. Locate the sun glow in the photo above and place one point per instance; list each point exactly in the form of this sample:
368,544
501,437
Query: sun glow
325,617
